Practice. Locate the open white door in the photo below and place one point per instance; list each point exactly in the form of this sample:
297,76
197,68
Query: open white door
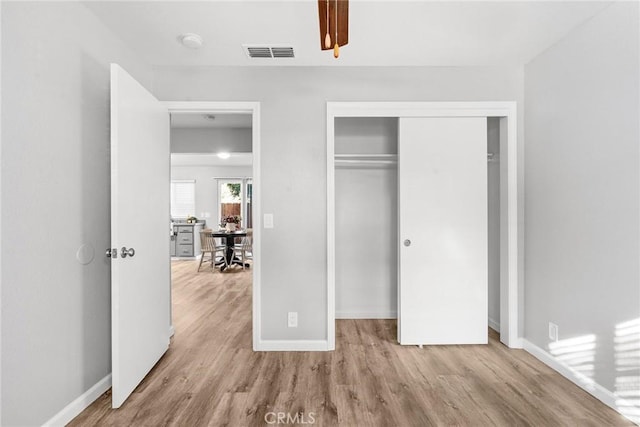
140,212
442,178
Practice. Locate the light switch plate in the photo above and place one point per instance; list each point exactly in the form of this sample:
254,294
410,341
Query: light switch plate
268,221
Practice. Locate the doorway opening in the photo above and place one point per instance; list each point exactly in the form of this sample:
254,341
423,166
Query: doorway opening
215,185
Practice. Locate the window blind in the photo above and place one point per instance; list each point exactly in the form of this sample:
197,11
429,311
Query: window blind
183,198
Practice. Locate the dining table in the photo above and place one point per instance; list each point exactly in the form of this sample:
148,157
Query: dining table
229,239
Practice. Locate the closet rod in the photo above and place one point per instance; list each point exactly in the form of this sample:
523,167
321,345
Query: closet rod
366,156
363,161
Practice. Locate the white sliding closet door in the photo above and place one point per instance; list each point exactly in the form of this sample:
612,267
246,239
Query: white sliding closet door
443,267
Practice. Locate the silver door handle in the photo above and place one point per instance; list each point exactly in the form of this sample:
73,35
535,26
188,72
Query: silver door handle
111,253
124,252
407,242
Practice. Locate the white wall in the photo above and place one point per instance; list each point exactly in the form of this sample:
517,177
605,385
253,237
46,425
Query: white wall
210,140
207,188
56,332
582,194
293,129
366,222
369,135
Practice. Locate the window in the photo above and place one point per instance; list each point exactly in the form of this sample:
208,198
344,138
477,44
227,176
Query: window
183,198
248,212
230,198
234,198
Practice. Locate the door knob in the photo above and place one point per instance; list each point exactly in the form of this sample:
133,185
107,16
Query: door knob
407,242
124,252
111,253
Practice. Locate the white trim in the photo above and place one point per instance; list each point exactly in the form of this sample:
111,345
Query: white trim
366,315
420,109
74,408
494,325
1,352
509,301
257,223
221,107
172,331
510,335
331,227
292,345
587,384
231,177
252,108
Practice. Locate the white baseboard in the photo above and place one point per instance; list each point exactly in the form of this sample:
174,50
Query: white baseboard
366,315
626,408
172,331
292,345
74,408
494,325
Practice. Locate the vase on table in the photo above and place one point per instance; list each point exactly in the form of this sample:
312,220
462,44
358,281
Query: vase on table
231,226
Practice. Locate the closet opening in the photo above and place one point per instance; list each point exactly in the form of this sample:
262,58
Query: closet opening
366,244
366,217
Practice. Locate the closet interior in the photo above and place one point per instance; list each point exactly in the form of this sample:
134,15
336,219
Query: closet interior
366,218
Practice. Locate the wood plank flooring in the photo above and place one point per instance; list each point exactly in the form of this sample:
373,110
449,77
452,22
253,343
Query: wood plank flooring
210,375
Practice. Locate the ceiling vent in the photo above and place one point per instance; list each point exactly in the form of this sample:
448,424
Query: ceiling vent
255,51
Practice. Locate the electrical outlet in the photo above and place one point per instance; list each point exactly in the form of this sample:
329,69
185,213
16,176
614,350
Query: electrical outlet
292,319
553,331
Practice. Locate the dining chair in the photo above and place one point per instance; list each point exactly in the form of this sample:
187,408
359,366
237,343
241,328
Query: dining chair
245,248
209,246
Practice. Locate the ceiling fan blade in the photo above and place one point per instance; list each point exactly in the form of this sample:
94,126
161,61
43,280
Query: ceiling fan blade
343,22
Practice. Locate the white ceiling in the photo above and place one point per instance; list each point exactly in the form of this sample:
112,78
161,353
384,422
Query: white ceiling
197,159
196,120
401,33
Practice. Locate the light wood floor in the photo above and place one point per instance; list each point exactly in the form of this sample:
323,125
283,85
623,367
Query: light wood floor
211,376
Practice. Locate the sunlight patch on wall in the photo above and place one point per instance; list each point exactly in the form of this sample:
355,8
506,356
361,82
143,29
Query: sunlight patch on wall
578,353
627,361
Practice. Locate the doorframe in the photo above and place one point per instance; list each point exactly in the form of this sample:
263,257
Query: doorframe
253,108
511,305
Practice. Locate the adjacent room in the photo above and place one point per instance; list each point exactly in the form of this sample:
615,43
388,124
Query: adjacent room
331,212
211,217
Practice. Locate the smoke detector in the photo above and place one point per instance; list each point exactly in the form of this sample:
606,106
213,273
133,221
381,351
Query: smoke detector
190,40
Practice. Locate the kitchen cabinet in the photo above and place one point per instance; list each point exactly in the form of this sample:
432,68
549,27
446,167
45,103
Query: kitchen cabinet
186,238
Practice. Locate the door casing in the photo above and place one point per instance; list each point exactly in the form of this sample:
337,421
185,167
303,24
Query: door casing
511,240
